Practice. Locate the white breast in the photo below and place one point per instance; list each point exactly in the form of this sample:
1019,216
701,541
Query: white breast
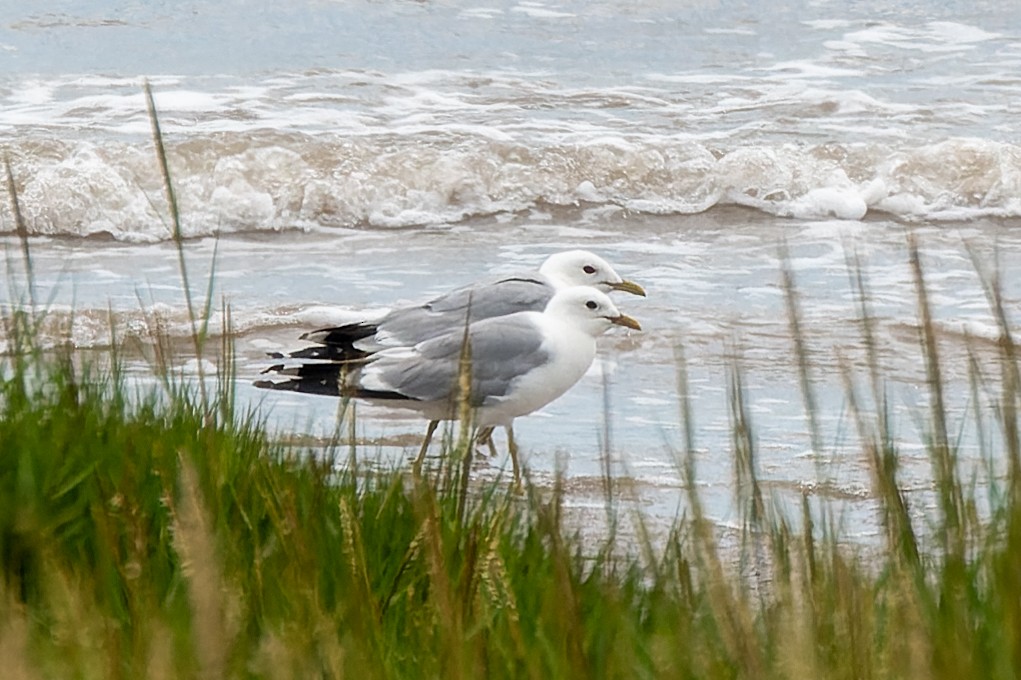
571,352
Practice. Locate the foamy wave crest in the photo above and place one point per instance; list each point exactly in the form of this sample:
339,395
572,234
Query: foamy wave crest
268,181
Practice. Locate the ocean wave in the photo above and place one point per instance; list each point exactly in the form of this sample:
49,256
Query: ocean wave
272,181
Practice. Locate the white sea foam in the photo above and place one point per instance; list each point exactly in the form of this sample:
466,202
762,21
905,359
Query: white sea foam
826,24
33,93
273,181
934,37
810,70
806,136
480,13
540,11
729,31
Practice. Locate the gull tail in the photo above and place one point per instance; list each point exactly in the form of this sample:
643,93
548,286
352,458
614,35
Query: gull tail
338,335
324,379
333,344
324,353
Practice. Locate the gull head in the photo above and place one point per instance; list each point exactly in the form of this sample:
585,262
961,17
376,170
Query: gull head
582,268
589,310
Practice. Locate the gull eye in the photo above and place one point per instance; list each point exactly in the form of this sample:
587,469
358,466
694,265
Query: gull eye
592,304
589,269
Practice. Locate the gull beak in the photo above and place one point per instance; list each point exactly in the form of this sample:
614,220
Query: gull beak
628,287
626,321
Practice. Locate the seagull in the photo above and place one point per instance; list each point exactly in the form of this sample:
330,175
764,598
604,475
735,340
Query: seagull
409,325
512,365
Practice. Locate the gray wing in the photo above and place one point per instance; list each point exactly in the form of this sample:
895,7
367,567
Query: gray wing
502,349
411,325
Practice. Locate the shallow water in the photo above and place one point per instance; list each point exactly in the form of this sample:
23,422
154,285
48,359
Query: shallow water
342,156
714,294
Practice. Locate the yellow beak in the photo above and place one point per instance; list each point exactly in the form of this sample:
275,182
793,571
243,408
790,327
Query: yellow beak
626,321
628,287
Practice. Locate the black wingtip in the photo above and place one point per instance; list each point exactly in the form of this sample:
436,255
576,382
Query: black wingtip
344,336
320,386
320,381
328,353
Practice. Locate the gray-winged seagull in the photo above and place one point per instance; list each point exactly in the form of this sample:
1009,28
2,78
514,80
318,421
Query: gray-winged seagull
412,324
517,364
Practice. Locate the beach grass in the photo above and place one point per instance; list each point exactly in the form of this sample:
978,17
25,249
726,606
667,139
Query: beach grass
156,530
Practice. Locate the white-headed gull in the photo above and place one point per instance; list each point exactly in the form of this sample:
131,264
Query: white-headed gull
517,363
412,324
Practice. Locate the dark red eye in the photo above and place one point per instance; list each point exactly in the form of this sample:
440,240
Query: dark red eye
589,269
591,304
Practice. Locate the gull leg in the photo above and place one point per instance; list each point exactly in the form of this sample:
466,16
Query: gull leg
485,436
416,468
512,448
